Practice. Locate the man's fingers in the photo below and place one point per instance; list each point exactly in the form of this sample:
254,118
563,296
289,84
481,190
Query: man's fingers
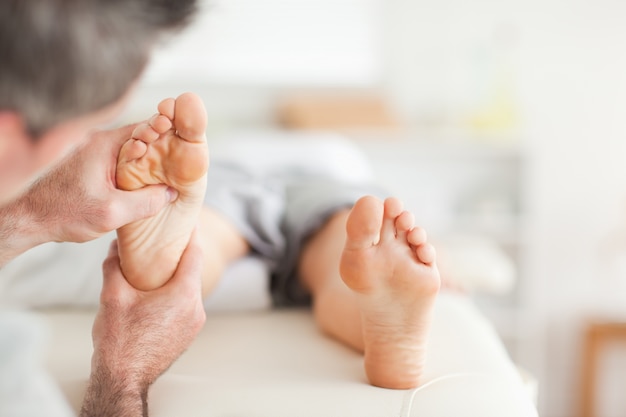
186,286
112,262
113,249
114,285
188,275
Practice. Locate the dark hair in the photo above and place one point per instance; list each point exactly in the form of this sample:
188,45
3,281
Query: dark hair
64,58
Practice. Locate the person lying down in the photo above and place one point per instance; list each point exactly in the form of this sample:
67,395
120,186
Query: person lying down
354,255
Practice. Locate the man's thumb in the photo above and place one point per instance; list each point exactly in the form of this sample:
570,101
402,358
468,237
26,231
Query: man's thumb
146,202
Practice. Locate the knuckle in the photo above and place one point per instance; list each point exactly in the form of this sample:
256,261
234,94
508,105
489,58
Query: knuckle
194,310
110,298
108,265
199,318
109,216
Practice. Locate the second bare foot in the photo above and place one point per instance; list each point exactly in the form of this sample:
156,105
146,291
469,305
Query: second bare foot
390,267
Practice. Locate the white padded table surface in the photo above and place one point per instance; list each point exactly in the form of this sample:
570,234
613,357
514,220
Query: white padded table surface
276,363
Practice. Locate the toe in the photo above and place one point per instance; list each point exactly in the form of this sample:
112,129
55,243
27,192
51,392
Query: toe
190,117
160,123
145,133
426,253
417,236
132,149
364,223
404,223
126,176
166,108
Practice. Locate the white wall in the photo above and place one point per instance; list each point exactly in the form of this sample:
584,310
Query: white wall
570,64
276,42
571,74
575,107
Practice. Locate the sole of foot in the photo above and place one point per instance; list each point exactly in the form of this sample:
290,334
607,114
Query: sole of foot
390,266
170,148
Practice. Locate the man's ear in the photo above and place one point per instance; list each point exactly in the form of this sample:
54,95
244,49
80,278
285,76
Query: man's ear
12,130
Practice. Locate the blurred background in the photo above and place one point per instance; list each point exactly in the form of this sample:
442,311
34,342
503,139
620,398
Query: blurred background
504,119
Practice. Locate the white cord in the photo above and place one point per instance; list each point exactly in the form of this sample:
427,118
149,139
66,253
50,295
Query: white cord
406,411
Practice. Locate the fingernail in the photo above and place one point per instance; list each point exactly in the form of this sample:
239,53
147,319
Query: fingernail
172,194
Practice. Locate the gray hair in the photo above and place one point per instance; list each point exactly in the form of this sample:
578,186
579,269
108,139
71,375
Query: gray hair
60,59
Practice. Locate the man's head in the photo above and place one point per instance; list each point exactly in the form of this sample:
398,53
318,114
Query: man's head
65,66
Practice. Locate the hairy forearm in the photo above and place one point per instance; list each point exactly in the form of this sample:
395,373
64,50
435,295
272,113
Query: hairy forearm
19,230
40,214
108,396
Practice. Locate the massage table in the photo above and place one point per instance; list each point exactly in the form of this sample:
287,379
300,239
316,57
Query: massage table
252,360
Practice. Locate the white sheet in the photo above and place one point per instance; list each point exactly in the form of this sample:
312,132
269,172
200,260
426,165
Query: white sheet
278,363
68,274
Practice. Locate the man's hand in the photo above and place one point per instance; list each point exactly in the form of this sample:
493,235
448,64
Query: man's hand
137,335
78,199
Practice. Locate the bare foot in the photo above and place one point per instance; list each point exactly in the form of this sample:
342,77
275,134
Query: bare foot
170,148
391,268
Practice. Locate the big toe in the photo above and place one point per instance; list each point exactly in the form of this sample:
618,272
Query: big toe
190,118
364,223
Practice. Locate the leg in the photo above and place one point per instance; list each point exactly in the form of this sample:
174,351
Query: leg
374,281
334,304
221,243
169,149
